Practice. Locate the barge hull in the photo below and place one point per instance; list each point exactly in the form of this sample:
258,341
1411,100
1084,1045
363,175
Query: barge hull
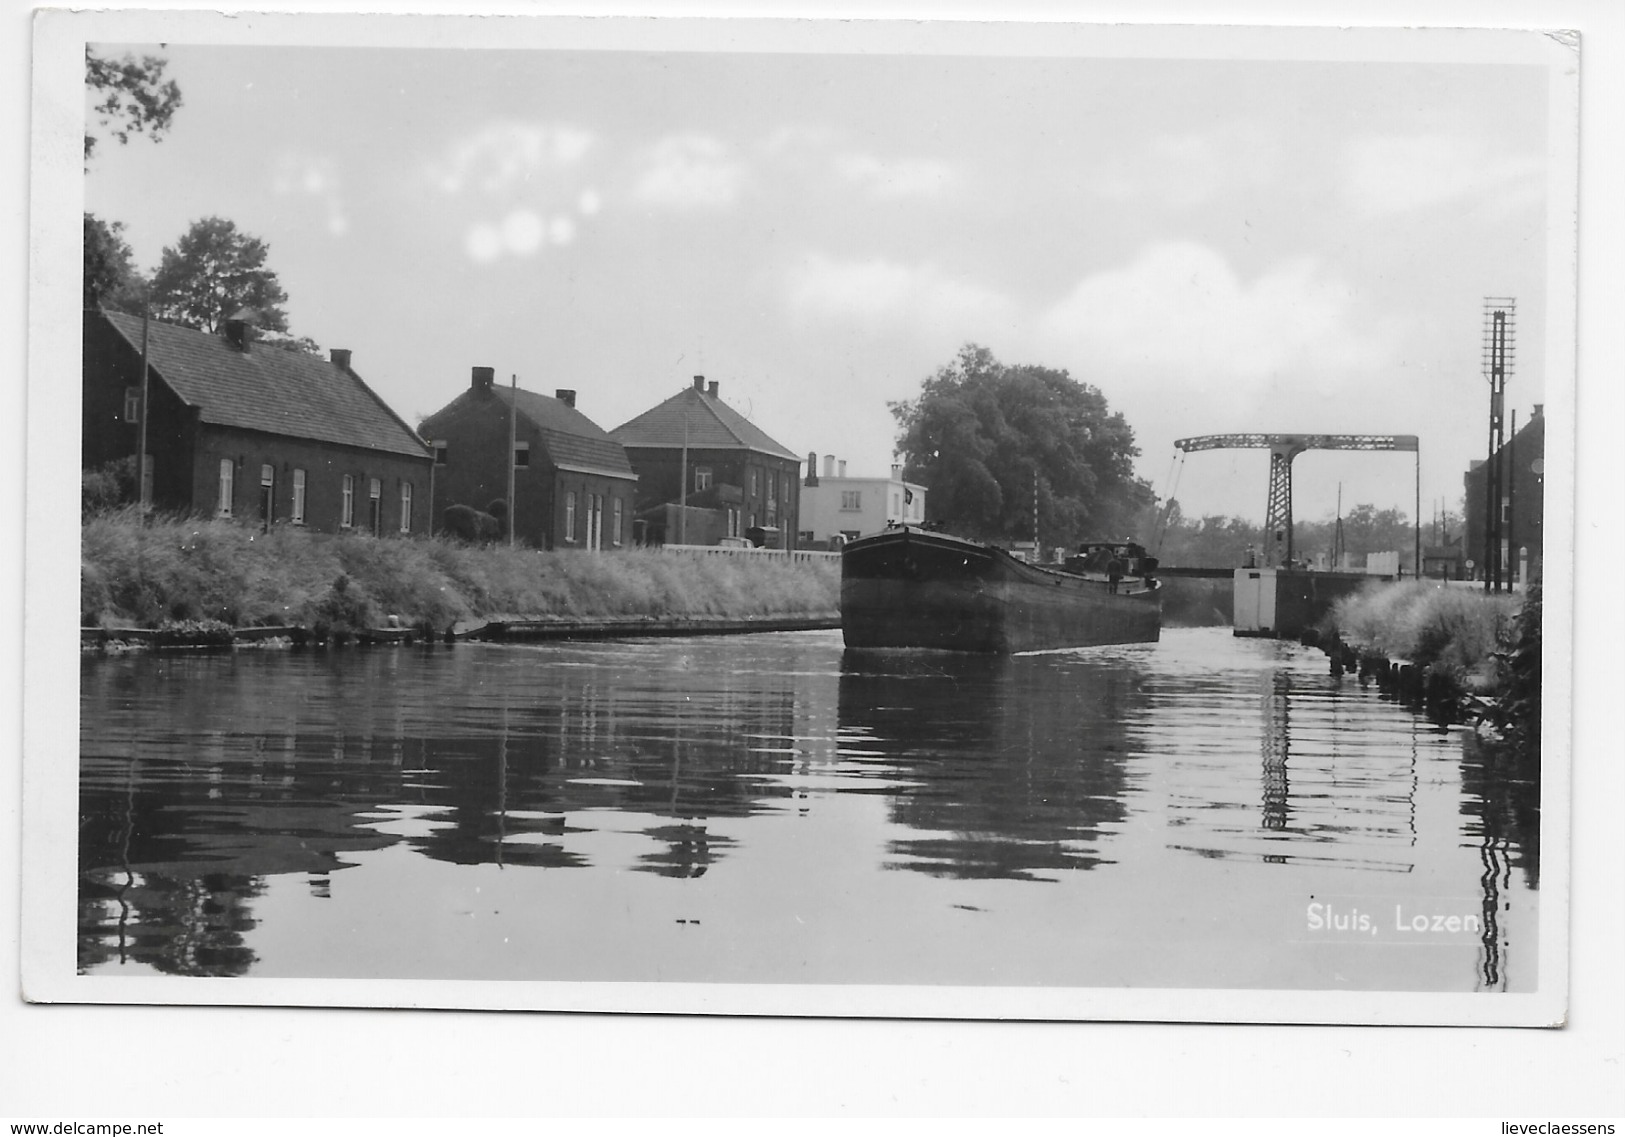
907,589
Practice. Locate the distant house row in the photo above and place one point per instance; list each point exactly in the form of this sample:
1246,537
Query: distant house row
258,432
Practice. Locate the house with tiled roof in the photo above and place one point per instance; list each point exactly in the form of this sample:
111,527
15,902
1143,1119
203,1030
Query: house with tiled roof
707,474
250,430
572,484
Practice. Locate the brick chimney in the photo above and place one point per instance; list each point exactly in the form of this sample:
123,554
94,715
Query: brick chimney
240,329
711,388
812,468
568,398
484,377
340,357
699,383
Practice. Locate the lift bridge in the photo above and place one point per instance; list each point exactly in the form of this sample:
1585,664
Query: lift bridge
1283,449
1272,599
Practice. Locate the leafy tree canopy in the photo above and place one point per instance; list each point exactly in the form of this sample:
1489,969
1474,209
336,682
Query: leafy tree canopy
213,271
111,279
128,96
985,437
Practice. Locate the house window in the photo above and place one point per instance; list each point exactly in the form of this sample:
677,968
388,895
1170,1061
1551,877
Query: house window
851,499
132,404
702,478
570,516
440,453
896,504
228,471
406,507
521,454
772,490
733,522
375,497
753,483
267,493
615,533
298,517
347,502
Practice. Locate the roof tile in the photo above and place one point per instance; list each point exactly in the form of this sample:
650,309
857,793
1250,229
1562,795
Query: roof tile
269,388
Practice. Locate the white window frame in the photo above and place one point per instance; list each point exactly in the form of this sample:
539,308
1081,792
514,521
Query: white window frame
615,534
570,516
298,515
132,405
704,477
347,502
851,501
226,488
406,507
375,505
521,455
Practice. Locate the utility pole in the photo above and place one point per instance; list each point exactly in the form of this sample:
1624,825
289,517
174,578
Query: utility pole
1500,329
141,496
682,489
513,441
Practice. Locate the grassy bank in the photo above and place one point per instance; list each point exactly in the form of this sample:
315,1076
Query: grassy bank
176,570
1455,632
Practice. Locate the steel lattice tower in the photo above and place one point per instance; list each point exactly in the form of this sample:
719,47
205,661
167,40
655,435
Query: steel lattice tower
1499,352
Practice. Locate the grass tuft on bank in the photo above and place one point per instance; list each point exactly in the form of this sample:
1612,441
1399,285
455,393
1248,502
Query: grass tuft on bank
179,569
1454,631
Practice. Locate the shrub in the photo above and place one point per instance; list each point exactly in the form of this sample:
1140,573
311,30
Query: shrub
1455,631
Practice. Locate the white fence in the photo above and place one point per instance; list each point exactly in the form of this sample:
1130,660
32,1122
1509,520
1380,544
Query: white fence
751,551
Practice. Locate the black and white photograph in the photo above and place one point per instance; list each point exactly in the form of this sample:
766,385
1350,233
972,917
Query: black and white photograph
907,519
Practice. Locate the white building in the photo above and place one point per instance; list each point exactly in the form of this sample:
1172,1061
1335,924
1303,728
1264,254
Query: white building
834,505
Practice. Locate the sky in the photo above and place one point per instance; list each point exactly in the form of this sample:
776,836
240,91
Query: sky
1218,245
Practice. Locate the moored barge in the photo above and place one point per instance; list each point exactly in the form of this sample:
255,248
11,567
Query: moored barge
908,587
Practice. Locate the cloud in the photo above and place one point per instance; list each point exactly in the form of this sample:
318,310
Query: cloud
1184,171
690,171
1386,175
504,156
1180,311
895,179
877,292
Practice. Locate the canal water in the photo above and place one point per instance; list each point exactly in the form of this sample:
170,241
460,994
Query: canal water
1203,812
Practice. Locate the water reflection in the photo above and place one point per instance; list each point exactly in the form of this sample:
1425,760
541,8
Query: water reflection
755,773
1000,767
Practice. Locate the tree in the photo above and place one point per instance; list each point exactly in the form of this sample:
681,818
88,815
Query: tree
211,273
111,279
129,96
989,438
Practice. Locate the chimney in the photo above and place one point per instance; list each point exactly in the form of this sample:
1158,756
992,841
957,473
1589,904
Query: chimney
812,468
484,377
238,333
841,465
896,471
340,357
829,465
699,382
568,398
1538,408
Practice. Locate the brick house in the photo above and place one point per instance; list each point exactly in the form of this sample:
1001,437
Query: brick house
573,485
1522,505
738,480
250,430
